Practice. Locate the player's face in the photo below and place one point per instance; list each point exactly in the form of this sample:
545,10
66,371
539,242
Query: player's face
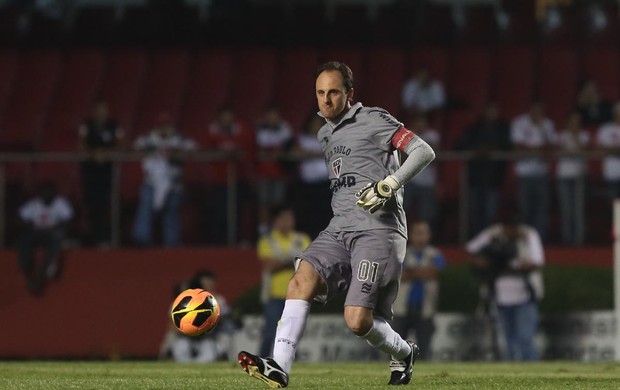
331,94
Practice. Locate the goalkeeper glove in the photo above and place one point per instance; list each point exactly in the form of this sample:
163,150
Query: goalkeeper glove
374,195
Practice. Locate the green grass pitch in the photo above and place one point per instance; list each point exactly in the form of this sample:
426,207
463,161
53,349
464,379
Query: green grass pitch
52,375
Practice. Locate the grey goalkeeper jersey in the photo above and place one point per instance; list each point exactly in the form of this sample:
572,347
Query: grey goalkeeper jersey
358,150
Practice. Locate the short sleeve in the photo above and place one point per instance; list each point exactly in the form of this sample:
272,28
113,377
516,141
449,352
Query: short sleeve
383,126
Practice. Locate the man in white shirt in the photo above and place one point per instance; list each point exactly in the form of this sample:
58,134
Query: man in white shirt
533,132
608,139
509,256
162,191
422,94
44,219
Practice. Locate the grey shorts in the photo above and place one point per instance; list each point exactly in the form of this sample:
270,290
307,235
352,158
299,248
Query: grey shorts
366,265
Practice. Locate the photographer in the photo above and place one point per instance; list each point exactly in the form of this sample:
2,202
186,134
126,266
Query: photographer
509,256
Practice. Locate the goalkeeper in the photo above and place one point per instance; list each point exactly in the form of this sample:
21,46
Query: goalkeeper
361,251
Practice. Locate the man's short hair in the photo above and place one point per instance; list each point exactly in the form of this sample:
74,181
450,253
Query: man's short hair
345,71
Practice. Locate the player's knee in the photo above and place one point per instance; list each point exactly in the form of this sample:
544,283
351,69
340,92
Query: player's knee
358,320
305,284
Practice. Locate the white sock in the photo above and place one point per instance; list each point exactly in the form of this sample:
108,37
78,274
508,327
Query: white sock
385,339
290,329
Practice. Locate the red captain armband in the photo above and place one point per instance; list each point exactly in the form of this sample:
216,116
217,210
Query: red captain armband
401,138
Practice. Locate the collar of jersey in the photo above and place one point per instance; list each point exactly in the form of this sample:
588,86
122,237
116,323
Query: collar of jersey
352,111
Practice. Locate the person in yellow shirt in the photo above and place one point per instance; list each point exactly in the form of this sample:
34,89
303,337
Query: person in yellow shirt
277,251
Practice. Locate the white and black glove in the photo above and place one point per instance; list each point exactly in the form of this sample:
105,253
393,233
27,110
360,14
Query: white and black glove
374,195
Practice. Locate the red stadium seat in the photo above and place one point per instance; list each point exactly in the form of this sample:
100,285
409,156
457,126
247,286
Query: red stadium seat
295,85
164,86
603,66
480,25
122,84
209,87
25,111
8,72
435,58
515,80
253,85
65,175
72,99
468,87
386,69
558,82
471,76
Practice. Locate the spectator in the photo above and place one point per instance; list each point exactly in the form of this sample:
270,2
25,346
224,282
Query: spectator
274,137
44,222
312,180
485,176
416,304
570,173
162,190
98,136
421,191
277,251
533,132
228,133
421,94
509,257
593,109
608,140
207,347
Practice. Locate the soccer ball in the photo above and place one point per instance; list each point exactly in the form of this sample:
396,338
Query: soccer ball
195,311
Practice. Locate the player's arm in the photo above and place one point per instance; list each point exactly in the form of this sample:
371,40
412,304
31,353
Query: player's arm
374,195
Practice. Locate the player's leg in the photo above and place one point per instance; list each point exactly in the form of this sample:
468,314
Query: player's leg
376,259
324,270
303,287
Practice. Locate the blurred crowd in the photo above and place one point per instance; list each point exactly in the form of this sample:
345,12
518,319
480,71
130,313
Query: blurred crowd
279,163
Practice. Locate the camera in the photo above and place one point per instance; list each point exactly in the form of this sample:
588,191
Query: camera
499,252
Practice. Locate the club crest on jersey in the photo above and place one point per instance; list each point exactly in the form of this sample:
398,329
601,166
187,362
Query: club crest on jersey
336,166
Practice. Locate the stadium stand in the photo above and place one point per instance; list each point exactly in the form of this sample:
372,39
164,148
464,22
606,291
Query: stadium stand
557,80
164,87
297,67
45,92
27,107
211,75
77,87
122,84
516,78
252,88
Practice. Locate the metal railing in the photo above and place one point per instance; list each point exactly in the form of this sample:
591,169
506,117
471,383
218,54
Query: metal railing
117,159
232,159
